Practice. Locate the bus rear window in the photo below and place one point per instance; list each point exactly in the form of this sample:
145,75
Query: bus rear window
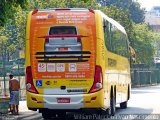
62,30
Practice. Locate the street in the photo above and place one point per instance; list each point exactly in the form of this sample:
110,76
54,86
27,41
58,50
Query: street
144,102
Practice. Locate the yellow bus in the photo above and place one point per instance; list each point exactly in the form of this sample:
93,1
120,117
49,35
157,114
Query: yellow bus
76,59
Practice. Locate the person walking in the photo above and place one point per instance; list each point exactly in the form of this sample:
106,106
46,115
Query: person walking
14,94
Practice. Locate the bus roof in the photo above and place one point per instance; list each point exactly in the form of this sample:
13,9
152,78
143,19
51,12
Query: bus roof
120,27
58,9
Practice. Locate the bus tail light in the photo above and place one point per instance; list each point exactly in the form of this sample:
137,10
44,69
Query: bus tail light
97,85
46,40
29,81
34,12
78,39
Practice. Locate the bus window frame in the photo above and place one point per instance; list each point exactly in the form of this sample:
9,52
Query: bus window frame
108,40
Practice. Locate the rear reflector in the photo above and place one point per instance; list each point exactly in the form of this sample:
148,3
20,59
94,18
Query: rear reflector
93,98
34,99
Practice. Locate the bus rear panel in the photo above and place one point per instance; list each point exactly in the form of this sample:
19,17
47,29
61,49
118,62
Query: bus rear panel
62,71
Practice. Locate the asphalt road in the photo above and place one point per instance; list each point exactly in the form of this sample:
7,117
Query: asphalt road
143,105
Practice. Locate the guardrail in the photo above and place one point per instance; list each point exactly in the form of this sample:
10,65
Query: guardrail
4,88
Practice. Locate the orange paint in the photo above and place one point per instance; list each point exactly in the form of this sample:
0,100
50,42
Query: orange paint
84,22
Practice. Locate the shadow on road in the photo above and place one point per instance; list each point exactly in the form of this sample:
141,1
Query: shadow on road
133,113
142,92
133,110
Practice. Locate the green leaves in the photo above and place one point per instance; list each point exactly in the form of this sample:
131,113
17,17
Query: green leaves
156,43
143,43
85,0
14,31
7,9
38,4
136,14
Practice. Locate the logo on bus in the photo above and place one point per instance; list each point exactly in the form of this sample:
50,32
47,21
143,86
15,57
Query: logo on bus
72,67
39,83
41,67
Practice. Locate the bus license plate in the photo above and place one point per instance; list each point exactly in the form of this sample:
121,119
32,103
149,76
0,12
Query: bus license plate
63,100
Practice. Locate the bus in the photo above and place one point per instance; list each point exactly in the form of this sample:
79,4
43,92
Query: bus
77,59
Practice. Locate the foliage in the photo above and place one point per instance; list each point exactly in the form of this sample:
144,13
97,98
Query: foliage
14,31
37,4
156,43
20,23
133,7
7,9
143,43
8,45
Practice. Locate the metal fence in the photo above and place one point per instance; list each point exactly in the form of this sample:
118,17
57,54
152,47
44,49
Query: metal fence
4,87
142,75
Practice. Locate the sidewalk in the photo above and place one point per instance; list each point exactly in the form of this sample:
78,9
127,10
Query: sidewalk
24,114
23,106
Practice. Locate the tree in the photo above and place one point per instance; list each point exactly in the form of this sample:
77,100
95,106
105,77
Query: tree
156,43
143,43
133,7
37,4
19,20
6,8
3,46
9,44
14,30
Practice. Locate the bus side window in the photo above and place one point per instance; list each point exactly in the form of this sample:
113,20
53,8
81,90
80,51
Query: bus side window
104,26
107,36
119,42
126,45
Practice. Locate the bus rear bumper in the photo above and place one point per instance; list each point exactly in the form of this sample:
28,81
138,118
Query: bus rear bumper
78,101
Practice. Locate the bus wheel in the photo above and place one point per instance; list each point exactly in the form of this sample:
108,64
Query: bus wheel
46,115
104,112
61,115
109,112
112,105
123,105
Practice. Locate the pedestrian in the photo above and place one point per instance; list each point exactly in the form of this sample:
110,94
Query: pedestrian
14,94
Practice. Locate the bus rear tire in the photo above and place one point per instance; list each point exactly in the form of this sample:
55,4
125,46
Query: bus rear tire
112,105
123,105
47,114
61,116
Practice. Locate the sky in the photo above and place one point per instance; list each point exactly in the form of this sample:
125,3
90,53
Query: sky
148,4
